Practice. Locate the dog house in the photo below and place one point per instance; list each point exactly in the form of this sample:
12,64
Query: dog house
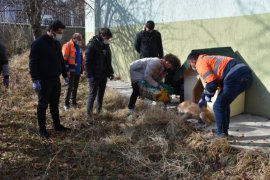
193,86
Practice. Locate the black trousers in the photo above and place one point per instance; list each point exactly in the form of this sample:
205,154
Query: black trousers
96,89
72,88
49,95
134,95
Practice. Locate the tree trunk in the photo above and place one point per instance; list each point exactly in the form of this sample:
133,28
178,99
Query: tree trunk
33,9
97,15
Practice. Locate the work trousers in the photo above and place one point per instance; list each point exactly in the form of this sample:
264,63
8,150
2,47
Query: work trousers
134,95
49,95
96,89
72,88
232,86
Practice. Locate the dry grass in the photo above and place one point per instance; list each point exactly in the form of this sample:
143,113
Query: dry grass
152,145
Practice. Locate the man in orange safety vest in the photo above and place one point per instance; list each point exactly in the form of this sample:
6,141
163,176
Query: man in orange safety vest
73,56
226,73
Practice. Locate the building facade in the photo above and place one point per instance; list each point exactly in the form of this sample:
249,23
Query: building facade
243,25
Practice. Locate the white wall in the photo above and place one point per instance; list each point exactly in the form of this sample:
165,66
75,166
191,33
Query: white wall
162,11
181,10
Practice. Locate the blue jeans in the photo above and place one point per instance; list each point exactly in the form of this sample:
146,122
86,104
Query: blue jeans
234,85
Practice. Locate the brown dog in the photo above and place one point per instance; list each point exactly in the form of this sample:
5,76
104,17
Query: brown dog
189,107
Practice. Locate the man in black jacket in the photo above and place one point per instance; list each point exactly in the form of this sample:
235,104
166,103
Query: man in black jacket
148,42
46,65
4,65
98,68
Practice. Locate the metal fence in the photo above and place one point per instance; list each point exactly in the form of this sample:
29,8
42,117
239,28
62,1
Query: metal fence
15,14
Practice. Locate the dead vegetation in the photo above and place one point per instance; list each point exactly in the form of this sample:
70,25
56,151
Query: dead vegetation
153,144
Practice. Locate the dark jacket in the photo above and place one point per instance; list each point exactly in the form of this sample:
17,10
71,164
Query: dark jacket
3,57
149,44
98,60
46,59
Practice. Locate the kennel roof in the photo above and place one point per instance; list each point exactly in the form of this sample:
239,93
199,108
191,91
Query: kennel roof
225,51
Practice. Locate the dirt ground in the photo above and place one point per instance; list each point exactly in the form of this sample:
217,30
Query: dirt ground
150,144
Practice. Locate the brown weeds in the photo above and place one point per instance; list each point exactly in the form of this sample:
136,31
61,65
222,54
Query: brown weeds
152,144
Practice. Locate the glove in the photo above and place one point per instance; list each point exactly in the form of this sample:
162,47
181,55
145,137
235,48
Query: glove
202,103
111,77
6,81
207,98
66,81
36,85
160,87
164,97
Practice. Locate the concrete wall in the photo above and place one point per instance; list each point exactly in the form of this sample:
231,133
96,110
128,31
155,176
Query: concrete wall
197,24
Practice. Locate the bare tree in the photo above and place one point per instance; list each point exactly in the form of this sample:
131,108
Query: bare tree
35,9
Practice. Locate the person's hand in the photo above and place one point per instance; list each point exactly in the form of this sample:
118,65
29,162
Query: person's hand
66,79
207,98
160,87
6,81
36,85
111,77
202,103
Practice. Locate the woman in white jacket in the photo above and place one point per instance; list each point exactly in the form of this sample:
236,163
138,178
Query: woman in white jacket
152,70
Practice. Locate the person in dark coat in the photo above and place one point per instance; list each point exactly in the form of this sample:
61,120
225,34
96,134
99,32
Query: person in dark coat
148,42
98,68
46,65
4,68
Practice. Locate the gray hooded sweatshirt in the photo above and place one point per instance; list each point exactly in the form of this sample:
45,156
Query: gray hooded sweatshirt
148,69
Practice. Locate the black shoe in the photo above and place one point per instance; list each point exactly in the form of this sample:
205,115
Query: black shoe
61,128
43,133
99,111
90,119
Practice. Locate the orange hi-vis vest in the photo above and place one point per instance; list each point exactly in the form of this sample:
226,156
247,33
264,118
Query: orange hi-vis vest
69,53
211,67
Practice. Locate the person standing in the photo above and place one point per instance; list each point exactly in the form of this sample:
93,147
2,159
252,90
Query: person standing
98,68
152,70
4,68
228,75
148,42
73,56
46,64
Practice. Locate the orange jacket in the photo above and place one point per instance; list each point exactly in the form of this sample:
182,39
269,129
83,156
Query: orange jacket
69,53
210,67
